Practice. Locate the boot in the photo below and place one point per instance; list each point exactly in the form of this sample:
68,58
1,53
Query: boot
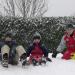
5,60
34,62
23,59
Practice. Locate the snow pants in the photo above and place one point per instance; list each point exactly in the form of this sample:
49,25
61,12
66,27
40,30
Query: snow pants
19,51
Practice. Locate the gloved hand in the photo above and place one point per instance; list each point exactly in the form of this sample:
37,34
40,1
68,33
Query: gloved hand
48,59
54,54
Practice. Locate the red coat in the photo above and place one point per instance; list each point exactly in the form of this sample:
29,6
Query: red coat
70,44
37,53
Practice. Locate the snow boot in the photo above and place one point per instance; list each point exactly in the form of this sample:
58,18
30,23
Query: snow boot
23,59
34,62
48,59
42,61
5,60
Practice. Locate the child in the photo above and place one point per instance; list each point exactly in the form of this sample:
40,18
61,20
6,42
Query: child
36,51
10,49
68,42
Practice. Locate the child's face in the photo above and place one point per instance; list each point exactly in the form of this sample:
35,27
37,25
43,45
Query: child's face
36,40
69,31
8,39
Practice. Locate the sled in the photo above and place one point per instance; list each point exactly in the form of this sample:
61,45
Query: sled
37,60
73,56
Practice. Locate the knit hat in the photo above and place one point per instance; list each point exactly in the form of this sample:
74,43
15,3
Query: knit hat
36,35
69,26
9,34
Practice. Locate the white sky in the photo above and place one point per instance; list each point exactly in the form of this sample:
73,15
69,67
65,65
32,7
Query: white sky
61,8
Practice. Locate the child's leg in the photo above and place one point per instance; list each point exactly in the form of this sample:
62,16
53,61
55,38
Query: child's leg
22,54
20,50
5,55
5,50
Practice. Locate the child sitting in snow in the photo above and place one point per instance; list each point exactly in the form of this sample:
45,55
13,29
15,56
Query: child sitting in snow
9,49
37,51
68,42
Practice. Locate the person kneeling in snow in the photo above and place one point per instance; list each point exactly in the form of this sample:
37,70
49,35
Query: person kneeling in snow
11,51
67,42
37,53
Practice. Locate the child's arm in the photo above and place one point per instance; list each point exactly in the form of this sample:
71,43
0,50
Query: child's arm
60,48
30,48
45,50
62,45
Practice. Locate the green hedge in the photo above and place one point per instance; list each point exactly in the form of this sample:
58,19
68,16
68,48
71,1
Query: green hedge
23,30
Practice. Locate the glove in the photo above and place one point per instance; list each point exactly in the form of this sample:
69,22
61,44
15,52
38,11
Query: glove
54,54
48,59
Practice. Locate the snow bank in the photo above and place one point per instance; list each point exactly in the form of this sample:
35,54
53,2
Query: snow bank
57,67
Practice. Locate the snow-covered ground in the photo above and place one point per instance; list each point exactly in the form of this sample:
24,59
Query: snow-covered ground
57,67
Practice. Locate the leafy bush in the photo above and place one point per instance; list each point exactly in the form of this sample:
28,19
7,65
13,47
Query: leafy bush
23,30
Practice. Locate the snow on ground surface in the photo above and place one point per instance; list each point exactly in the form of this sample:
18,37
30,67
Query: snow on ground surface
57,67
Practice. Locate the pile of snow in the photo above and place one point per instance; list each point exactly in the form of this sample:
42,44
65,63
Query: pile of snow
57,67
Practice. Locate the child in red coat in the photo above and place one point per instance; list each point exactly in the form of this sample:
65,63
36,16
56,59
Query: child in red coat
36,51
68,42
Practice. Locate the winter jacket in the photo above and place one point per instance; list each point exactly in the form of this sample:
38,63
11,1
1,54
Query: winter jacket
11,43
67,42
37,49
